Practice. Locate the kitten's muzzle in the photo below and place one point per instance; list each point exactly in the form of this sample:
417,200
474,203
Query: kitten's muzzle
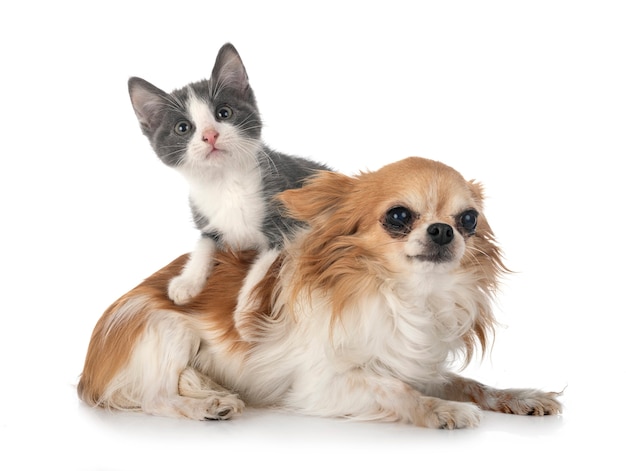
440,234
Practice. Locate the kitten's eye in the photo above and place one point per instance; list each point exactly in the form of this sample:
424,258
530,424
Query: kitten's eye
182,127
224,112
398,220
468,221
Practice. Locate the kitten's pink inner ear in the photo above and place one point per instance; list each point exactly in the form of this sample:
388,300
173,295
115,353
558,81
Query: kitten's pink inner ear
146,105
229,68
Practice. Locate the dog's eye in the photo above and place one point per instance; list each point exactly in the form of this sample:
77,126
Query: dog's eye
398,220
468,221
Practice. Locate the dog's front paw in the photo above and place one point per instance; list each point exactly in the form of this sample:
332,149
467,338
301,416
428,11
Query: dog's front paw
215,406
183,289
452,415
529,402
223,408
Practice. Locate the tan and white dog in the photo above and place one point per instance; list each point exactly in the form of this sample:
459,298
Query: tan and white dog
358,316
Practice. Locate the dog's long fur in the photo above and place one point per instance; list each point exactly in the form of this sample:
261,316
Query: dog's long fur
358,316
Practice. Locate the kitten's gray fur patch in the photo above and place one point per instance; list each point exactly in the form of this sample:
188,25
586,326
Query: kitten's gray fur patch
158,112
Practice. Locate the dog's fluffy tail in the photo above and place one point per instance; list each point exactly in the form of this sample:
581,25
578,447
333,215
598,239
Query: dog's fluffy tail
116,332
132,345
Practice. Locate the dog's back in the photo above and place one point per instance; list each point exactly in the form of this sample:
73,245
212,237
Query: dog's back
117,372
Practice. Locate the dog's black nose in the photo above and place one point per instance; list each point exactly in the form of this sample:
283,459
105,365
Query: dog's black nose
440,233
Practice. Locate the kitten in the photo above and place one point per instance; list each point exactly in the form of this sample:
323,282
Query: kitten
210,131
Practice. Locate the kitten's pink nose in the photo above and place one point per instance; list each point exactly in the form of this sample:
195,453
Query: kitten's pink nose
210,136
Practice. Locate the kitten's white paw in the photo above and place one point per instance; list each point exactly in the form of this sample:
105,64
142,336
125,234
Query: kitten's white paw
245,324
183,289
247,315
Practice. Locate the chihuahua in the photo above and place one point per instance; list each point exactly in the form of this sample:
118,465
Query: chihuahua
361,314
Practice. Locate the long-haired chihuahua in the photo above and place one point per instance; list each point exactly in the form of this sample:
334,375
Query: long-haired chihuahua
362,314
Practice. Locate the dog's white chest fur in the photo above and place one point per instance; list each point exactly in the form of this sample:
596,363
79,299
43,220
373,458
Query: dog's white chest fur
408,330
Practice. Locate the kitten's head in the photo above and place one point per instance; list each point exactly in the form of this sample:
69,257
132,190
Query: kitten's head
208,124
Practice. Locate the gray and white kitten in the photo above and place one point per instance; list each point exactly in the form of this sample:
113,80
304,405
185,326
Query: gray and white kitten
210,131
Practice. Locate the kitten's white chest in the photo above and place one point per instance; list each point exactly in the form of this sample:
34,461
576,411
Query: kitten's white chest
235,207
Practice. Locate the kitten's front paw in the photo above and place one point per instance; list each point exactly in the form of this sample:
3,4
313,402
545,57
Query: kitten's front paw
245,324
183,289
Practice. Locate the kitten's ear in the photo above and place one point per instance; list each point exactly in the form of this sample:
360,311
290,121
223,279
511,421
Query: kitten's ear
229,69
320,196
148,101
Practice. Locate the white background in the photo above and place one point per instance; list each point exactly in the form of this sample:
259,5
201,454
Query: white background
527,97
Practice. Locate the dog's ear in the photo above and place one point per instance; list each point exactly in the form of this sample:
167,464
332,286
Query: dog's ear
320,196
478,193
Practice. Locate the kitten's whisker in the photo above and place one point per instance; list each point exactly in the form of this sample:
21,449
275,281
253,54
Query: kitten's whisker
273,168
216,87
173,103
